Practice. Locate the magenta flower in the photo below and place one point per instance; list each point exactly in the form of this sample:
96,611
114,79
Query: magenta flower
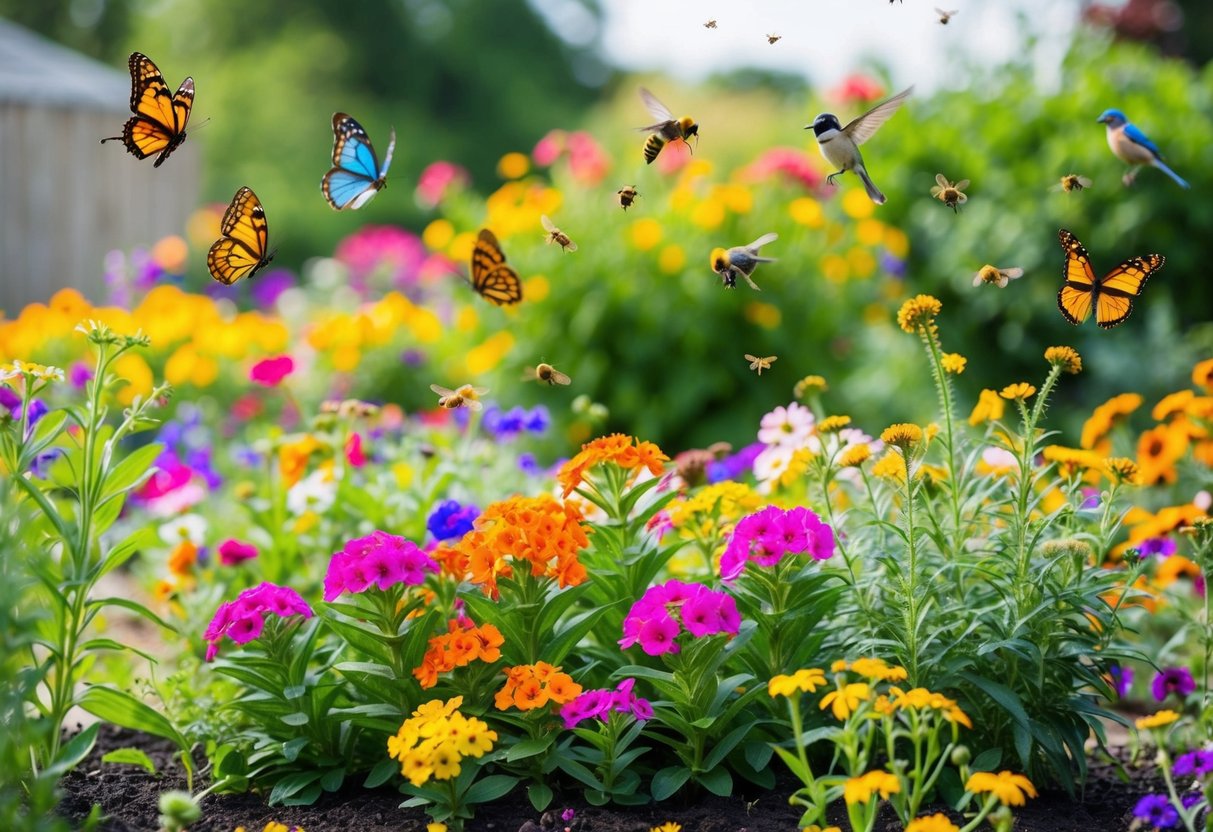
657,636
380,559
1177,680
767,536
243,620
437,179
353,450
271,371
394,252
653,621
788,163
232,552
600,704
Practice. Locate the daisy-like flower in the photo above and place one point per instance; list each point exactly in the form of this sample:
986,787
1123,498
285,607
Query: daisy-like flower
1065,357
902,435
855,456
954,363
833,424
806,680
989,408
317,492
860,789
187,527
950,193
1020,391
996,276
789,427
845,701
918,312
1122,469
1010,789
937,822
809,385
1157,720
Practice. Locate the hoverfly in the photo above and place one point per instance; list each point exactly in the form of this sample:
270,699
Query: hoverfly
548,373
466,396
555,235
761,364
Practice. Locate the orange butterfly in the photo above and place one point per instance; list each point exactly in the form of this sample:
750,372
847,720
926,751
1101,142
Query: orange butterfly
491,277
1111,295
158,125
240,251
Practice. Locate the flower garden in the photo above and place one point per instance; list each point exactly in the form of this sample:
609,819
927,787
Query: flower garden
236,521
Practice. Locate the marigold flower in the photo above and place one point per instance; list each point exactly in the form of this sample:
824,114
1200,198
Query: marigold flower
1105,417
918,312
1020,391
668,826
855,455
833,424
1202,374
1072,461
1065,357
1157,720
806,680
844,701
616,448
1122,469
1158,449
902,435
937,822
809,385
1009,788
989,408
860,789
891,466
953,362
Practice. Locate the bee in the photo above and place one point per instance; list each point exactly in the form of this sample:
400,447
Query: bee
466,396
711,24
1072,182
949,193
555,235
761,364
996,276
944,17
627,195
741,260
774,38
548,373
667,128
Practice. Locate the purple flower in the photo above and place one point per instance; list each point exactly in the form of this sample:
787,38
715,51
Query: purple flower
600,704
243,620
1156,810
1195,763
567,815
79,374
892,265
538,420
1122,680
733,467
528,464
269,285
451,520
1160,546
10,400
1177,680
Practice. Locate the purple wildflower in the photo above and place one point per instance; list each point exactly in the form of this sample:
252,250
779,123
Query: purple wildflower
1156,810
451,520
1160,546
1122,680
1195,763
1177,680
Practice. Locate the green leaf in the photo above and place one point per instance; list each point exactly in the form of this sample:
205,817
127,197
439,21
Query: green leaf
490,788
293,784
131,471
381,773
987,760
296,719
123,552
122,709
718,781
131,757
530,747
73,752
540,795
332,779
373,668
668,781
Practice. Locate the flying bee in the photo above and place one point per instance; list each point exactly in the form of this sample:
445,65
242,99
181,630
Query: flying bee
711,24
950,193
774,38
1072,182
761,364
555,235
944,17
996,276
548,373
741,260
627,195
466,396
667,128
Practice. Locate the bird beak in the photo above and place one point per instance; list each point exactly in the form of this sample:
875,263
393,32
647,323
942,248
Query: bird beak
1103,120
808,127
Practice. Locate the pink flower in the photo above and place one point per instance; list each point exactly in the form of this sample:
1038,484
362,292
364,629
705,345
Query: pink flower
271,371
436,179
549,148
395,253
653,621
788,163
767,536
674,157
243,620
232,552
380,559
857,89
353,450
657,636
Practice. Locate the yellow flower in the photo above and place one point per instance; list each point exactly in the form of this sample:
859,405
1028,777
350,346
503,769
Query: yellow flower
989,408
892,465
806,680
1009,788
1202,374
857,205
937,822
1105,417
833,424
879,669
1065,357
513,166
672,259
1158,449
765,315
809,385
483,358
1072,461
812,827
843,702
435,827
1122,469
860,789
954,363
668,826
917,313
646,234
807,211
855,456
1020,391
438,234
902,435
1157,720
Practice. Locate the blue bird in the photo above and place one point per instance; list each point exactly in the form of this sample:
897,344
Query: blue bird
1131,145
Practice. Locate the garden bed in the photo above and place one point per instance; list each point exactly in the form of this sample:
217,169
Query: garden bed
128,797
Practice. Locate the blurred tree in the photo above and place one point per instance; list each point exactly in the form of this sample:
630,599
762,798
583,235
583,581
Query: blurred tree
94,27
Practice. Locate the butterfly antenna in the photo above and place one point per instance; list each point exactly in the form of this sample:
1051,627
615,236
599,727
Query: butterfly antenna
201,124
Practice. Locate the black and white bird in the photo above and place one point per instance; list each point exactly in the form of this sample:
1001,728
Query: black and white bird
840,145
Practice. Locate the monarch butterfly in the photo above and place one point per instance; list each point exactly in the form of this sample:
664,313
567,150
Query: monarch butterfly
240,250
491,277
158,125
356,176
1112,295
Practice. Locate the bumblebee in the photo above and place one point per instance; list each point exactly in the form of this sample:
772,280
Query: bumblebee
667,128
548,373
466,396
555,235
1072,182
627,195
741,260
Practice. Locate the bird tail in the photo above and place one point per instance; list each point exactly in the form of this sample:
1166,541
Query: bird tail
1178,179
868,185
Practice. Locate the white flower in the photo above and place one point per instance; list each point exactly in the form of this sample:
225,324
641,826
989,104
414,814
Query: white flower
789,426
770,465
191,527
316,492
999,459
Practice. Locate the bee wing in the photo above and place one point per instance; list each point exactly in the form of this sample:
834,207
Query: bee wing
864,127
571,246
1084,181
770,359
754,361
472,404
560,378
548,225
480,391
660,111
1012,274
441,391
530,374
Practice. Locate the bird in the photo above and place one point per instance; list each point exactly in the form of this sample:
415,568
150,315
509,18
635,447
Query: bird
840,145
741,261
1131,145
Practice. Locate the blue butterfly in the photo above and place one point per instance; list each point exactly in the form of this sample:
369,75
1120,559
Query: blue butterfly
356,176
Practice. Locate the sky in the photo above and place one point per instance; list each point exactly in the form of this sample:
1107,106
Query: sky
821,40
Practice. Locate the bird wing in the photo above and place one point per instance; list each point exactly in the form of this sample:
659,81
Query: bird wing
864,127
769,237
1137,137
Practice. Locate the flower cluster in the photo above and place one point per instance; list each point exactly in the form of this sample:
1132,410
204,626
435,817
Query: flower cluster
243,620
655,621
462,644
379,559
451,520
505,425
436,738
617,449
531,686
767,536
600,704
540,531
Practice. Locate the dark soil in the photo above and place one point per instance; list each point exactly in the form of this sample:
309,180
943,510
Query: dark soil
128,796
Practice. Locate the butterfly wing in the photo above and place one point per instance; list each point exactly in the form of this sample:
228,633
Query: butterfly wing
241,249
1114,302
158,125
1078,291
356,176
491,277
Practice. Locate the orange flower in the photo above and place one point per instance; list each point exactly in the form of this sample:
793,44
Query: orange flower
293,457
184,556
462,644
616,448
1105,417
1158,450
1172,568
1202,374
529,687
